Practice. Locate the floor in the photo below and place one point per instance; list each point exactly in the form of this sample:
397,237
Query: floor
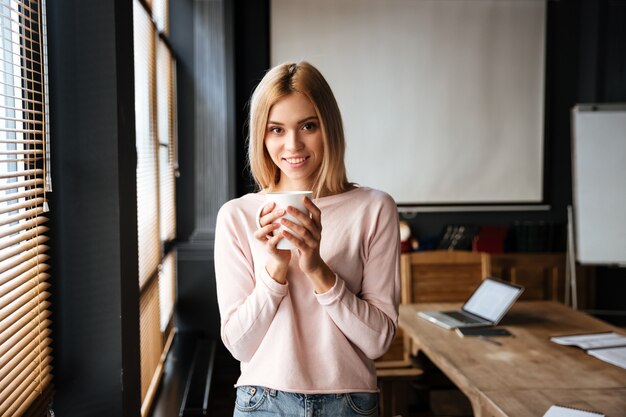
223,392
175,377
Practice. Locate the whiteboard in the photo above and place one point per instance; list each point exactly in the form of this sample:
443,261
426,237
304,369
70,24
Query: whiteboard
442,101
599,183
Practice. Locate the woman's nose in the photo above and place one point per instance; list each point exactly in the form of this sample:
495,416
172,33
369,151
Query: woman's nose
293,141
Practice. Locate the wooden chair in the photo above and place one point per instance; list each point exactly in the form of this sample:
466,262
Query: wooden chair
541,274
442,276
433,276
394,389
395,372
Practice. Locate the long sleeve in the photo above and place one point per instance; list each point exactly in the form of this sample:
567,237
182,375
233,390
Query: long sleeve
278,332
247,305
369,319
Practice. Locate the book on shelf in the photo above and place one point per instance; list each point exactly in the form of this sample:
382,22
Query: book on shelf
608,346
490,239
458,237
536,236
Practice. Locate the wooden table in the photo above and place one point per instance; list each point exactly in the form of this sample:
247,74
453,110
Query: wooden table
527,373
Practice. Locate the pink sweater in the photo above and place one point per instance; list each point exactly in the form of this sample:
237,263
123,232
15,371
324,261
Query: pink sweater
289,338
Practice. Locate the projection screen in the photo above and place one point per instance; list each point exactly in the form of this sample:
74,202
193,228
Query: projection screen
442,100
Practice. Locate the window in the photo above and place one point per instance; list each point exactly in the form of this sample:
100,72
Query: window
25,353
155,120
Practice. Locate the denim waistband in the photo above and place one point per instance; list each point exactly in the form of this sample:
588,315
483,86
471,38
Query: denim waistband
274,392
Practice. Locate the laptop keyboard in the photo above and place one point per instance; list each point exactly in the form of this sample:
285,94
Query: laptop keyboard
462,317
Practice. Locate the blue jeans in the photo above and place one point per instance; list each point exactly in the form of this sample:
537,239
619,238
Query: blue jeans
265,402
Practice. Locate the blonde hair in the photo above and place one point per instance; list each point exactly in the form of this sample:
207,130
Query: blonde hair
278,82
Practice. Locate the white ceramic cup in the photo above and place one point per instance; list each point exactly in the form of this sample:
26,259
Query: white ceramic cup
282,200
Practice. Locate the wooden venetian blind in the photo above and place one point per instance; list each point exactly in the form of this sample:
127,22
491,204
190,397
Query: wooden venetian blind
147,145
167,285
151,338
156,170
25,353
167,141
160,15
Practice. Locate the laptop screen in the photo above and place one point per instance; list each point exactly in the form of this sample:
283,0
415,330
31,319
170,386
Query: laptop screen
492,299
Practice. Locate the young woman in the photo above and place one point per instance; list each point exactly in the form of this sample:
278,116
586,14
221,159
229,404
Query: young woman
306,324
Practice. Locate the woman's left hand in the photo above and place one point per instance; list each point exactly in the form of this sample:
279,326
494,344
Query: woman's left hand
306,238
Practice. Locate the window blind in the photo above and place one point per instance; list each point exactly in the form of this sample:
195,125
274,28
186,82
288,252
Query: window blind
151,339
159,12
156,170
147,145
25,352
167,285
167,140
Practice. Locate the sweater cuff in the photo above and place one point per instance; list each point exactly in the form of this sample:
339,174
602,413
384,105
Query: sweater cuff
275,288
334,294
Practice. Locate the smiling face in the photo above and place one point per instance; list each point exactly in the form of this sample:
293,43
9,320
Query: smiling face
294,141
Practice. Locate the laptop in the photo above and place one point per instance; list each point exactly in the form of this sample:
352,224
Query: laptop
486,307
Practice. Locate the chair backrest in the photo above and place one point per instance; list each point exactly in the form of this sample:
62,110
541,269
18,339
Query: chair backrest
542,275
442,276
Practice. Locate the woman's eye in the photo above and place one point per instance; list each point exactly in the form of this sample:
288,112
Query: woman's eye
308,126
276,130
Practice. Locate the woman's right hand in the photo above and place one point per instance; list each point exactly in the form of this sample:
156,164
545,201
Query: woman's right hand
278,260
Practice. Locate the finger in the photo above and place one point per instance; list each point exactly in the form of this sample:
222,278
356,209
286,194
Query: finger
298,243
304,222
273,241
300,216
310,237
262,211
272,217
316,213
294,228
268,208
265,232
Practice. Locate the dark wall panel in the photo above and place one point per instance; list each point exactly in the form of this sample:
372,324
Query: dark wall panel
201,34
93,209
252,59
197,309
182,41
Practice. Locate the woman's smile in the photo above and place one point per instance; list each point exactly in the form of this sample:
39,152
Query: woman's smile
296,162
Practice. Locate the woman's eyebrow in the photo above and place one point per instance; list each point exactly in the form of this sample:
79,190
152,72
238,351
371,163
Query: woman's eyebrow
306,119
